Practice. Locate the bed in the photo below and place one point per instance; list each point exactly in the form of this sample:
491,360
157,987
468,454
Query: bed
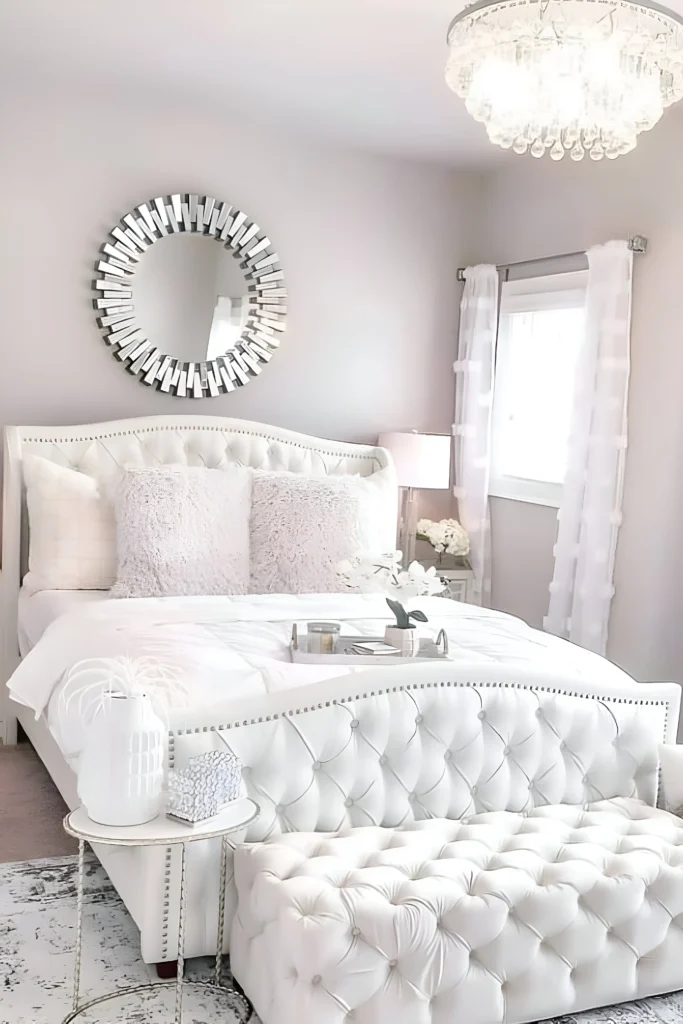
247,692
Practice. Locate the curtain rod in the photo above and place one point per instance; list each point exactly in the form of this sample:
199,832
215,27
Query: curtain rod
636,243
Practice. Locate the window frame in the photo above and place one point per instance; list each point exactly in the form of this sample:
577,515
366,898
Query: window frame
533,294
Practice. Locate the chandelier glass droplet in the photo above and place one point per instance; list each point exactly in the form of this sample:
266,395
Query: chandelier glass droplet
566,76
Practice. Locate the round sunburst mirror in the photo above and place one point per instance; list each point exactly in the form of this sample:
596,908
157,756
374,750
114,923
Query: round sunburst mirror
190,295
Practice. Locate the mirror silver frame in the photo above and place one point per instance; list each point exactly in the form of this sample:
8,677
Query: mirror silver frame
115,273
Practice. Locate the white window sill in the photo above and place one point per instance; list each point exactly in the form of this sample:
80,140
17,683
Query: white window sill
530,491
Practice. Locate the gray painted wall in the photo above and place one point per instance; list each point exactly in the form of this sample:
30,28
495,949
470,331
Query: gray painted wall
369,246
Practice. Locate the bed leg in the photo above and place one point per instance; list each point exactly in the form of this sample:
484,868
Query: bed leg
168,969
238,988
10,730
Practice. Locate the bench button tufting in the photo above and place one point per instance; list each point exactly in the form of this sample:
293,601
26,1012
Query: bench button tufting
418,720
278,809
316,979
447,756
354,723
482,714
383,759
316,766
355,932
474,790
507,752
392,963
348,803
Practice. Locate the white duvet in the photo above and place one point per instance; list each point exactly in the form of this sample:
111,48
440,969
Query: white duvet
232,648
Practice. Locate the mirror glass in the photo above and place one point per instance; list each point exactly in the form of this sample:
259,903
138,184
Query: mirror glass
191,297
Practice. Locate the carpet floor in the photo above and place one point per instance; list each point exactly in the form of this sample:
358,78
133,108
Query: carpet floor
37,940
31,808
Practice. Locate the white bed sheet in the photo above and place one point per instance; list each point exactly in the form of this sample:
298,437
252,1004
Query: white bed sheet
39,610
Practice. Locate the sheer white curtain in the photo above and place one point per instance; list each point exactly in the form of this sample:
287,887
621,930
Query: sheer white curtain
590,513
472,426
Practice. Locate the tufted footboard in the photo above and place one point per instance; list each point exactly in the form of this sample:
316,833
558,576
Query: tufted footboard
336,755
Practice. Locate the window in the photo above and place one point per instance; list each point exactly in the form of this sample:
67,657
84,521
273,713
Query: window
540,332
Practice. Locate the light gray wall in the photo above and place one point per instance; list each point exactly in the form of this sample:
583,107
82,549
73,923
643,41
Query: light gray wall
533,208
522,539
369,246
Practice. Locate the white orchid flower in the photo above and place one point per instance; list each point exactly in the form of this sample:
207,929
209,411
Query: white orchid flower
368,574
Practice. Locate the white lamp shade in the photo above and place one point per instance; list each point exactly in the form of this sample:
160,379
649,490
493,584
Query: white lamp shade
422,461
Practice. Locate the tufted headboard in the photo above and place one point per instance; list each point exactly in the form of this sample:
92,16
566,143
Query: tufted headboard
101,450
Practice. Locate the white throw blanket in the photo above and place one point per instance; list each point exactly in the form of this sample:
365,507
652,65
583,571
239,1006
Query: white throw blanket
230,648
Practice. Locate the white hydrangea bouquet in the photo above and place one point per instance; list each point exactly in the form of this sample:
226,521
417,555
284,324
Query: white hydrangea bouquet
369,574
447,537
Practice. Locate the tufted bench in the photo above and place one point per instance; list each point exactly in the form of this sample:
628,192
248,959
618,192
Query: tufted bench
497,917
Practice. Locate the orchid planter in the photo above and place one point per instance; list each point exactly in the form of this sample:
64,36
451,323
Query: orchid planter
406,641
404,636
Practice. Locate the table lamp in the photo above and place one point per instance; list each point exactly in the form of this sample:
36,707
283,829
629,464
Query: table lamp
423,462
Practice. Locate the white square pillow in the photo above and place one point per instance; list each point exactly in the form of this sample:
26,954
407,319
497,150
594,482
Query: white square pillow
302,527
182,531
72,531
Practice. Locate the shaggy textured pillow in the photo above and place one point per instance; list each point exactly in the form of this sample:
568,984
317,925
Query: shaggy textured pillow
182,531
302,527
72,532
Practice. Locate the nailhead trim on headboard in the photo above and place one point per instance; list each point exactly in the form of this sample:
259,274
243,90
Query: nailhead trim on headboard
406,688
198,429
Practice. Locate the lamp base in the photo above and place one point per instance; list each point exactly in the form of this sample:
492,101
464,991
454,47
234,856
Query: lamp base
407,525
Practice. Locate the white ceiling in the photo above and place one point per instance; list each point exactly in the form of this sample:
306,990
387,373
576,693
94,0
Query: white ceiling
364,72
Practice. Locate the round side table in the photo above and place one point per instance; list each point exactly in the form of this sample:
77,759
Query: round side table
161,831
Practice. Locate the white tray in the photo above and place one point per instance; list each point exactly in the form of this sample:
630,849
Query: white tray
299,653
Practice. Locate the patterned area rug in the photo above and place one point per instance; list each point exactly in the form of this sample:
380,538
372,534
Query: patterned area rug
660,1010
37,940
38,934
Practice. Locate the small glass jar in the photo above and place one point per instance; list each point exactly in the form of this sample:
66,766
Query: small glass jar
322,637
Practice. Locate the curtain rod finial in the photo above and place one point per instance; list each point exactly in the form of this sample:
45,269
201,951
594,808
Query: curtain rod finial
637,243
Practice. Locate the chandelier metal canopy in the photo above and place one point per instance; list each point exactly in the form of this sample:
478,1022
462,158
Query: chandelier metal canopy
557,76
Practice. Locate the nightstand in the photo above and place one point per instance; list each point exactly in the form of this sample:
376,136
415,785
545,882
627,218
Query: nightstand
460,584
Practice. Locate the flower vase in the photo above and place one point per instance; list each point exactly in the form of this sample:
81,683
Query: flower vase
121,769
404,640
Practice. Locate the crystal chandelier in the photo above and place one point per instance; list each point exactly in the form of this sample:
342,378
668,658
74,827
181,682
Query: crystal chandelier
576,76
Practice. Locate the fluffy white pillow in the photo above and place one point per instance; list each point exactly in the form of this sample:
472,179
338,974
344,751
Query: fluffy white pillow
182,531
379,496
72,532
302,527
